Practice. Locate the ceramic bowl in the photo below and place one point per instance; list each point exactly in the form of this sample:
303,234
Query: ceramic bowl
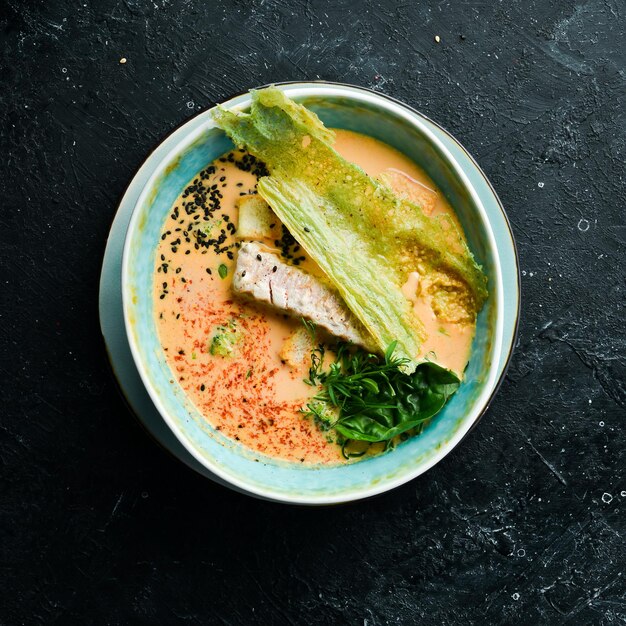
227,461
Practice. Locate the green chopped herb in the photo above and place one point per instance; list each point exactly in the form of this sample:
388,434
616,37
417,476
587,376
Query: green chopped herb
222,270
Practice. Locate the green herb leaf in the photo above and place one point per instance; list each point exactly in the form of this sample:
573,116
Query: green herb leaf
377,400
222,270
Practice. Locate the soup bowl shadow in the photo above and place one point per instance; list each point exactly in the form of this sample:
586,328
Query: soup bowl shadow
230,463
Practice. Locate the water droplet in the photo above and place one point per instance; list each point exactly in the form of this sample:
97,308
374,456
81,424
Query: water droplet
607,498
540,185
583,225
190,104
515,596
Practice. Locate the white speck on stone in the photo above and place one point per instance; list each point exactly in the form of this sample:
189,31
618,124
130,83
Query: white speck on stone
590,400
540,185
64,70
191,104
521,552
531,274
623,494
607,498
123,60
515,596
437,39
583,225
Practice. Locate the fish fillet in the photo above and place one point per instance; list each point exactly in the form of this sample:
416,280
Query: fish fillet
261,274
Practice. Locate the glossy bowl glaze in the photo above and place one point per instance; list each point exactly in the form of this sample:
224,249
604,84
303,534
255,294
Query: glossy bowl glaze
230,463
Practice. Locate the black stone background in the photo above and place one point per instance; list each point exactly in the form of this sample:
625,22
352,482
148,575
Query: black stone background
523,523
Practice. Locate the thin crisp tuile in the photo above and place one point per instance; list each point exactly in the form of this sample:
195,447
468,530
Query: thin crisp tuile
364,238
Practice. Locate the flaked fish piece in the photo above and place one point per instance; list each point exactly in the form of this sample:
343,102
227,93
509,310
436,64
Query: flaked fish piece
297,348
261,274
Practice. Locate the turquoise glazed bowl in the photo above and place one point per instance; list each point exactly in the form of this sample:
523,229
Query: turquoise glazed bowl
227,461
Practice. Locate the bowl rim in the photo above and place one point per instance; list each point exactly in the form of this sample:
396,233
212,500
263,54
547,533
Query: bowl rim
298,89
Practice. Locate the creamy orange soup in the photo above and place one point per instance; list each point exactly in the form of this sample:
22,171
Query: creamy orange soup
252,395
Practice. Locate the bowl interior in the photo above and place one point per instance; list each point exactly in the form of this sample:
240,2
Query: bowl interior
240,466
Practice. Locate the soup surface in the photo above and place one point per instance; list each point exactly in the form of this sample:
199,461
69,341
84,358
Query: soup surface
248,391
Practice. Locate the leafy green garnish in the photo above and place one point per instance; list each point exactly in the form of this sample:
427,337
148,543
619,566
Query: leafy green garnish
376,399
222,270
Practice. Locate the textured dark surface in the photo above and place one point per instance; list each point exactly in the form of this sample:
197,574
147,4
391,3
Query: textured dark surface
523,523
